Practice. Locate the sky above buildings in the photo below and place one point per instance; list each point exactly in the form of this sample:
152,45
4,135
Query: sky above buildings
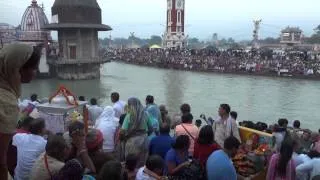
228,18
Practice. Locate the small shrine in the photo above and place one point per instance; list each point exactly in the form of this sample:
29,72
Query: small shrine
63,107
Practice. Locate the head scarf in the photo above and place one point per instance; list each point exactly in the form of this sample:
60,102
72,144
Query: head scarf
94,139
137,115
108,114
12,58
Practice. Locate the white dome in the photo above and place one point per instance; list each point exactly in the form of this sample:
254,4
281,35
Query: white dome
32,22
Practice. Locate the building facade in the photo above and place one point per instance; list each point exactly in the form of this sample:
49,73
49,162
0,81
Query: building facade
8,34
77,23
174,36
291,36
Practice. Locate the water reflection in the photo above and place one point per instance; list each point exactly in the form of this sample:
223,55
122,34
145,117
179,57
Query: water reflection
255,98
174,85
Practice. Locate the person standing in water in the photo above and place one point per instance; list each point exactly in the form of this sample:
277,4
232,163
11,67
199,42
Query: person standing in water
18,64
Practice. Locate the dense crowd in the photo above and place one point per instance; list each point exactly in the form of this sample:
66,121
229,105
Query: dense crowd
131,141
145,143
233,61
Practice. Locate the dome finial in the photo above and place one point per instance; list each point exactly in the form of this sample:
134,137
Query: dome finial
34,2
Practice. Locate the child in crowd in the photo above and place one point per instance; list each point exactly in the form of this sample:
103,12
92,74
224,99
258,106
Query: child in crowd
112,170
131,166
198,123
153,169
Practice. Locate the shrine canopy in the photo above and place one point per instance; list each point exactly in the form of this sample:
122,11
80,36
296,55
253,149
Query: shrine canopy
155,46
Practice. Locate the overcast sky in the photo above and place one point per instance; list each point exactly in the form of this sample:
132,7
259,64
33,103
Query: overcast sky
228,18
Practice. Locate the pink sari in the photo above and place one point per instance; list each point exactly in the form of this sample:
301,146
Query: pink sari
272,173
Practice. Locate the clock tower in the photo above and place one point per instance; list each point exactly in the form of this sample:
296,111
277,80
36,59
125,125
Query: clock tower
174,36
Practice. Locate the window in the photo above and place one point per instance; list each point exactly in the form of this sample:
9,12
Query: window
178,29
169,16
73,52
179,17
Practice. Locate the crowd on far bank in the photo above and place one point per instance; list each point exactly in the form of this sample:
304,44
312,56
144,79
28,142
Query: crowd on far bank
290,62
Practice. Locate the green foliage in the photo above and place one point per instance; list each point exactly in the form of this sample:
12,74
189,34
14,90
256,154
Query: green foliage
315,38
155,40
132,39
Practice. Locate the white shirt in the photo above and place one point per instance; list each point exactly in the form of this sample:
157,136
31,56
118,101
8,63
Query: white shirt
118,107
143,176
94,112
29,148
108,129
312,167
300,159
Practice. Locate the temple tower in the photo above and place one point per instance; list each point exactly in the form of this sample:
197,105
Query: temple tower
77,23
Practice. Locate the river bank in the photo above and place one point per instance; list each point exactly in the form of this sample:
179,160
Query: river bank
240,73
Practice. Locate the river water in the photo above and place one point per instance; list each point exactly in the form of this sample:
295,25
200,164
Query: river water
255,98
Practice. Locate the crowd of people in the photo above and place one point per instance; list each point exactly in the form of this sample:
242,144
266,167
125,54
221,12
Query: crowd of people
145,142
290,62
131,141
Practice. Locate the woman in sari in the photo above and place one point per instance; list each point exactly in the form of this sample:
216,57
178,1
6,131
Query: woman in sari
281,165
135,129
107,123
18,64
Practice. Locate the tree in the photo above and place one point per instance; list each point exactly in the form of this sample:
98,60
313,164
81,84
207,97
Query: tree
231,41
223,42
154,39
105,41
121,41
194,40
315,38
270,40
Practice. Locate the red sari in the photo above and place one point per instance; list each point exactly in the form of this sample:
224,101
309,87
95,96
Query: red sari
203,151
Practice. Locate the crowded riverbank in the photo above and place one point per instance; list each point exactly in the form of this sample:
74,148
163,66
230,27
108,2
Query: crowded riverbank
290,63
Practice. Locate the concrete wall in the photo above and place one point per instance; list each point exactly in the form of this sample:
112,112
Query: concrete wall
85,40
87,49
78,72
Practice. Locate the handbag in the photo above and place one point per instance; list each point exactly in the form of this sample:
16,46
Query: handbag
194,171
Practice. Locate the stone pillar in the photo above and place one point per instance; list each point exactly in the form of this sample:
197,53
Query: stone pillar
65,45
93,44
79,48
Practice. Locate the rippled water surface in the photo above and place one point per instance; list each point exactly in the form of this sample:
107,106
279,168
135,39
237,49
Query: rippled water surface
254,98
